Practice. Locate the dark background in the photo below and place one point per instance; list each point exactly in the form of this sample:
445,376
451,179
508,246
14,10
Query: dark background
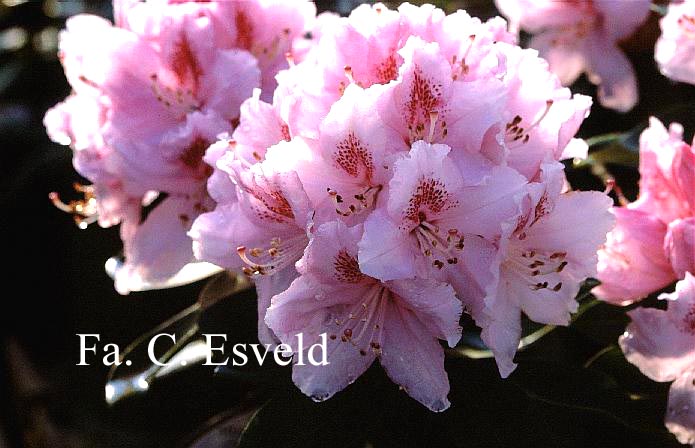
54,286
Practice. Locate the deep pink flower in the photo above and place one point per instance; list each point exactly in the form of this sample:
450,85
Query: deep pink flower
662,345
680,245
632,264
652,244
667,173
675,49
150,95
399,322
582,36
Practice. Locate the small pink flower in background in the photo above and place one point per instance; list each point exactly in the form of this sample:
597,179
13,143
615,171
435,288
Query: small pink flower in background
582,36
662,345
675,49
150,95
653,245
399,322
667,173
412,158
680,245
633,264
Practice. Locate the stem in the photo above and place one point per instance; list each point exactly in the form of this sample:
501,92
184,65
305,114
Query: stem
659,9
604,139
598,355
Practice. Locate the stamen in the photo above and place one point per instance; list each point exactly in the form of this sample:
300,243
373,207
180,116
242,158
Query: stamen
83,211
548,105
365,200
433,122
348,74
443,248
290,59
370,314
518,133
532,265
279,254
180,101
612,185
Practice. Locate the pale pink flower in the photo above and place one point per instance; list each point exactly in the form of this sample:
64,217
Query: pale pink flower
524,119
427,102
675,49
364,49
541,117
150,95
582,36
416,139
542,261
652,244
398,322
260,127
431,209
262,229
662,344
350,167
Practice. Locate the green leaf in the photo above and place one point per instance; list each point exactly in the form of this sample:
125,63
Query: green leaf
189,349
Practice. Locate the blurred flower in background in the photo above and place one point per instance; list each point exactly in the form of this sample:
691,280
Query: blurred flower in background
582,36
675,49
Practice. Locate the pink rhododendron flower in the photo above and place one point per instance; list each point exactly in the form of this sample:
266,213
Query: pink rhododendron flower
397,321
409,157
266,222
150,95
582,36
633,263
680,246
653,245
662,345
675,49
541,262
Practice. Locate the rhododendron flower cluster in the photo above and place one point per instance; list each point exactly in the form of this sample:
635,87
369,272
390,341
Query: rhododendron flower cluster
582,36
150,94
653,243
406,170
675,49
662,344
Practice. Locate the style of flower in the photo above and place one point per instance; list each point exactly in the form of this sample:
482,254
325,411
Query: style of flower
583,36
161,86
675,49
661,343
653,244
